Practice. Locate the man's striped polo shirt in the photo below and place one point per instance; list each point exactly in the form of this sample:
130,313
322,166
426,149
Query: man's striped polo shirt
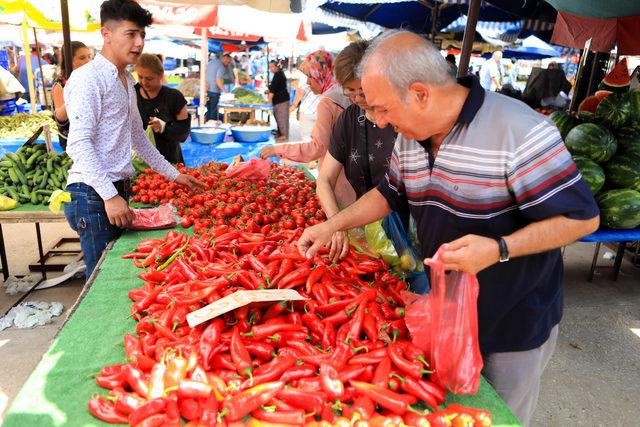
502,167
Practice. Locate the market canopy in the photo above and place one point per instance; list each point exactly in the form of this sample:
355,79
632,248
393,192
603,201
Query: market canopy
532,48
46,14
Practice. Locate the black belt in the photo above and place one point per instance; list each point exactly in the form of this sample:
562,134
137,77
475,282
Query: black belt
123,186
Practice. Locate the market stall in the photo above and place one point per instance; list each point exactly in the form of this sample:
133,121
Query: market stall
60,386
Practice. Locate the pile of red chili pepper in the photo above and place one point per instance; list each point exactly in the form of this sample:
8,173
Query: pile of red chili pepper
286,200
341,357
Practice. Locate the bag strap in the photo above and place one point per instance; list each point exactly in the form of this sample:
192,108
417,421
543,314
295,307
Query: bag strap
362,121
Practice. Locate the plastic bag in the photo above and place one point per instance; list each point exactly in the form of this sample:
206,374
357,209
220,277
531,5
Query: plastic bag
377,240
455,349
162,216
254,169
417,317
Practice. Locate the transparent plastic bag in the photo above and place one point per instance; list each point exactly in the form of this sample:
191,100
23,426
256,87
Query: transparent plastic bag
163,216
377,240
254,169
455,349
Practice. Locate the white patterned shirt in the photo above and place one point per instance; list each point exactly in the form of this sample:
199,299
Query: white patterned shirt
104,126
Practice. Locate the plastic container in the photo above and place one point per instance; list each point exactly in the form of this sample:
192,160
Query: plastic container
207,135
251,133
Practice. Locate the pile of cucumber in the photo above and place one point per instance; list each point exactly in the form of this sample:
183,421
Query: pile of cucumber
30,175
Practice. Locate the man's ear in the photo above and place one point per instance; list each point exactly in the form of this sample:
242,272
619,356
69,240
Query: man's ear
106,34
419,92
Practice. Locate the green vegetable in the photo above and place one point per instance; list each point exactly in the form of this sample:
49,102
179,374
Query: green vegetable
620,209
592,141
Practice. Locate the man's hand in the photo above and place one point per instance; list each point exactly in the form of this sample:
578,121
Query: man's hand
118,212
194,184
313,239
268,151
157,125
339,246
470,253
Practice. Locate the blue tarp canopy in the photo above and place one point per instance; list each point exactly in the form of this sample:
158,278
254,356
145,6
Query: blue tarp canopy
417,15
533,48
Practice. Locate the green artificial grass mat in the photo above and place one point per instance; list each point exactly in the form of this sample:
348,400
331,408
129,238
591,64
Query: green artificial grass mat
57,391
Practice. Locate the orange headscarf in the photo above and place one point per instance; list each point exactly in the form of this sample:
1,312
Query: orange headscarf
319,66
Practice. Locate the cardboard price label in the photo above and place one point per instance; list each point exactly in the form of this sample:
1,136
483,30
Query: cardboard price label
239,299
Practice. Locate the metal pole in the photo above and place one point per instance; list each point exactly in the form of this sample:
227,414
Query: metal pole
434,20
204,52
44,86
267,64
469,35
66,35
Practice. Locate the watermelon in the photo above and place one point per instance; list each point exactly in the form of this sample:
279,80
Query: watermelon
615,110
623,171
586,116
628,136
564,122
619,209
602,94
591,172
589,104
592,141
618,79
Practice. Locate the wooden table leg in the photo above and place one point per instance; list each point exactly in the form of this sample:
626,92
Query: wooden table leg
43,267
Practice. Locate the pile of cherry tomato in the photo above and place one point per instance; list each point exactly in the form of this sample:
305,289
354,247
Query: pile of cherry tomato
286,200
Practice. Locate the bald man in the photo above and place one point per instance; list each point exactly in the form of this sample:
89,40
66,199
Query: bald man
494,198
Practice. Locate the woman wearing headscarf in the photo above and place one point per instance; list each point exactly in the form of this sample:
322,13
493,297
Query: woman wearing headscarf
279,98
318,67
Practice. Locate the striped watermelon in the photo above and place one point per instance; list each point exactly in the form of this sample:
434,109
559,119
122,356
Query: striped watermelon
628,136
564,122
619,209
623,171
591,172
592,141
615,109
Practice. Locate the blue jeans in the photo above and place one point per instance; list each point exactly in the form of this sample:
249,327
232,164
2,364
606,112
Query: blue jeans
87,216
212,105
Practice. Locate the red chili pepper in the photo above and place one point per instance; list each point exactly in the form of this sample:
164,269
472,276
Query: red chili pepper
210,339
481,417
285,337
249,400
240,355
126,403
395,402
222,361
259,349
413,387
293,417
382,372
308,400
315,275
194,389
416,420
156,381
370,358
329,336
328,309
319,293
177,368
302,346
413,369
298,275
313,322
164,331
190,409
298,372
104,410
111,381
260,332
330,381
272,371
364,406
341,354
355,327
135,378
150,408
352,373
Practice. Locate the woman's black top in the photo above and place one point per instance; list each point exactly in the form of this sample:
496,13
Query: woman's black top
278,87
166,107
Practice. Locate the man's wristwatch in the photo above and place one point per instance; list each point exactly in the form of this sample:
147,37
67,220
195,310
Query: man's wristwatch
504,250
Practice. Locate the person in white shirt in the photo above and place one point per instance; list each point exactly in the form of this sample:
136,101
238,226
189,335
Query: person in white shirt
105,126
490,72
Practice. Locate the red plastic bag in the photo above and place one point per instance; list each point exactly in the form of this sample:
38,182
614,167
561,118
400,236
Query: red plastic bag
417,317
254,169
455,349
153,218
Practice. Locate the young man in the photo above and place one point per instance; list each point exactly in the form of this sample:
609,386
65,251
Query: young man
104,126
